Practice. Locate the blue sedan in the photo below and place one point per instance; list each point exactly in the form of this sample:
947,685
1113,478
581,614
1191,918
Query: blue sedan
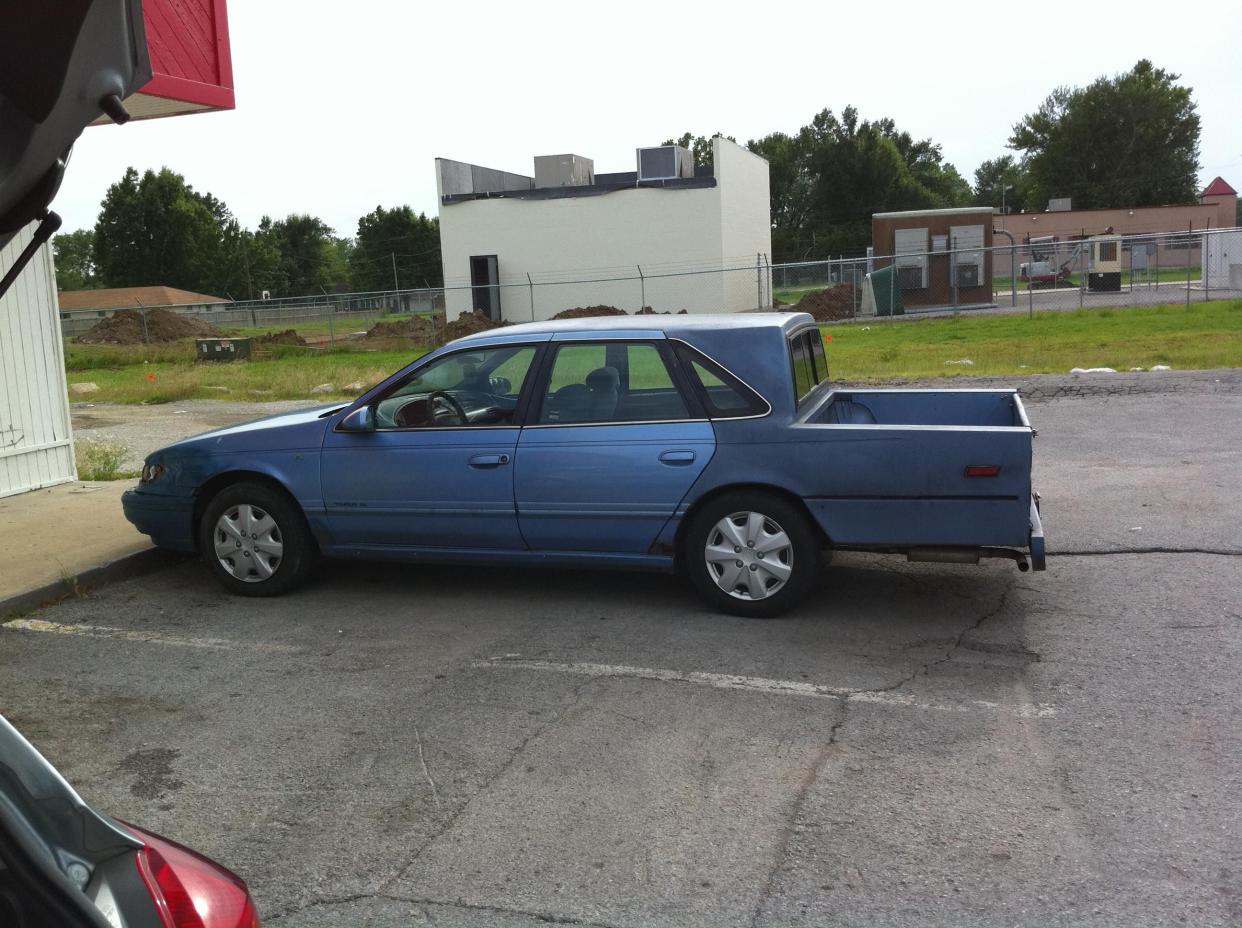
713,444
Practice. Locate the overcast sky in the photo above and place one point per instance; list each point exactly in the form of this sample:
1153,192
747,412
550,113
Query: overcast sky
343,106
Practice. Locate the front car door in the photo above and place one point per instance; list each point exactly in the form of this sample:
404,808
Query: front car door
437,472
613,444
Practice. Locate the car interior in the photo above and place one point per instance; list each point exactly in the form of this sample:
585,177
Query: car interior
610,382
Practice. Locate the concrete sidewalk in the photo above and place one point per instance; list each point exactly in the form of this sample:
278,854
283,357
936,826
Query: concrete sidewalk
67,537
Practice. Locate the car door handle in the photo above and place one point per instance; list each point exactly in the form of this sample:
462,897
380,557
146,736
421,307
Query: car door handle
489,460
677,458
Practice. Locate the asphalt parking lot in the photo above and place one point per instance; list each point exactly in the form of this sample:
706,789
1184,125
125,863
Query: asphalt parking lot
920,744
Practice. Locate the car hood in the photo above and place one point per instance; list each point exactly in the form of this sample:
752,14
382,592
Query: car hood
300,429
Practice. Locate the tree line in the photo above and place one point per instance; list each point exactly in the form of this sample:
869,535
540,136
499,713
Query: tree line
1127,140
155,228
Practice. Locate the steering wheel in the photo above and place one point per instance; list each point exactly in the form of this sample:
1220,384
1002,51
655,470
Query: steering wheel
442,405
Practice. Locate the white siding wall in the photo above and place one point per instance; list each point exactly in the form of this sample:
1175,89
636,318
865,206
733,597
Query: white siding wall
36,447
745,223
666,231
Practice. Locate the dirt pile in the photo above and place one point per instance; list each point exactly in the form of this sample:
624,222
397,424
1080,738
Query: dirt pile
125,327
468,324
585,312
828,305
425,330
287,337
431,330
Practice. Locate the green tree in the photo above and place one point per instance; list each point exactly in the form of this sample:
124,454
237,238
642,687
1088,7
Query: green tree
155,229
1128,140
399,235
308,255
75,260
828,180
700,145
992,175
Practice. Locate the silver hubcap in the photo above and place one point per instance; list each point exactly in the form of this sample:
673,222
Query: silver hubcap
248,543
749,555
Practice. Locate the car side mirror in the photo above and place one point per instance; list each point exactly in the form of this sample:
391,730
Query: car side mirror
361,419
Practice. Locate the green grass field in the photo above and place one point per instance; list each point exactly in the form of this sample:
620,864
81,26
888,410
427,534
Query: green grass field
164,373
1204,336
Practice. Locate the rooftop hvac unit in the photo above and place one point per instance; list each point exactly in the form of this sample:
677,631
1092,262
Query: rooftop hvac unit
665,163
564,171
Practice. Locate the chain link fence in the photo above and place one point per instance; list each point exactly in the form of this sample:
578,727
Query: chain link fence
1030,276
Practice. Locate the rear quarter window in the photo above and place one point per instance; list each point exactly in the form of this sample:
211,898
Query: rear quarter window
809,362
722,394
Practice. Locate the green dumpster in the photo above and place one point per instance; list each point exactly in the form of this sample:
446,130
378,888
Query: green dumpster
886,292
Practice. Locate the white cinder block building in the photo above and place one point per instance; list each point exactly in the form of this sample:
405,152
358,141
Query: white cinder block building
36,441
520,248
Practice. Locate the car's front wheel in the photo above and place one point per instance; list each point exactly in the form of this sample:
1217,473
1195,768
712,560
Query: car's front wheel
256,541
751,553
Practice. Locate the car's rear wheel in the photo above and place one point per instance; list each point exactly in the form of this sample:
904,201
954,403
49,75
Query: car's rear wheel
751,553
256,541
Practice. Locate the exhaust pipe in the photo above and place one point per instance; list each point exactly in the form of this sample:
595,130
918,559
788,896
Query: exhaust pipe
967,556
944,555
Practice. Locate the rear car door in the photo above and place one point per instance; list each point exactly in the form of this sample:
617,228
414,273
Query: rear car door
437,472
612,445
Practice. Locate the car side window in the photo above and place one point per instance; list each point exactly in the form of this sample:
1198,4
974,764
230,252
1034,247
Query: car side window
810,364
461,390
610,382
724,396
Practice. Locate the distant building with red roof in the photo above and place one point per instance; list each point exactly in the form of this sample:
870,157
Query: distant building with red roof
1218,188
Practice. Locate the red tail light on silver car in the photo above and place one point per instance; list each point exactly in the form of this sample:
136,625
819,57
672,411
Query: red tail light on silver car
190,891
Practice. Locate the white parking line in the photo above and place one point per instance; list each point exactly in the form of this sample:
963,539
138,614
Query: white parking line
727,681
125,634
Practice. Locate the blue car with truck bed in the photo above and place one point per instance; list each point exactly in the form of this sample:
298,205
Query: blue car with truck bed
714,445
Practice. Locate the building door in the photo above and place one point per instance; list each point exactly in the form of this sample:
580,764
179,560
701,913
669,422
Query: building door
485,285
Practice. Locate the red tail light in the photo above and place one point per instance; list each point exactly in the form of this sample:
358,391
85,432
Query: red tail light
983,470
190,891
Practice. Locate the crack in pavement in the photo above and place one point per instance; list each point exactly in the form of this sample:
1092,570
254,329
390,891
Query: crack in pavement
804,789
545,917
503,769
382,893
953,648
1106,552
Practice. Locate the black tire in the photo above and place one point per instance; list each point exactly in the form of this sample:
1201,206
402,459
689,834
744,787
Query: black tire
298,551
803,554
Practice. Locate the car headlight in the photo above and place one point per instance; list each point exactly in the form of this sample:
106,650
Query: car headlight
151,472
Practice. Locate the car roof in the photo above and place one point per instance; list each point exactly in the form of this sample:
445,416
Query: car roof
670,325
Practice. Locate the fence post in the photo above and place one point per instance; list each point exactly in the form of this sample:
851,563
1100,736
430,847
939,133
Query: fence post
768,280
530,283
1205,274
146,335
1189,228
331,313
952,269
642,288
1030,296
758,281
892,280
